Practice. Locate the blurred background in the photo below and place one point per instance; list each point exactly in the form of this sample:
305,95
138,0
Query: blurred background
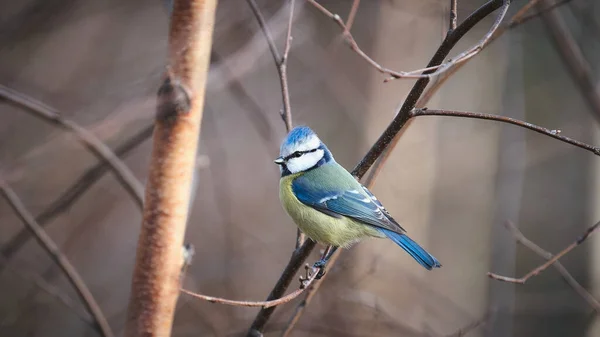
451,182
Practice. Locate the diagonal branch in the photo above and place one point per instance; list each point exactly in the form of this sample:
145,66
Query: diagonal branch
569,50
281,65
180,103
551,261
59,258
95,145
557,265
72,194
430,70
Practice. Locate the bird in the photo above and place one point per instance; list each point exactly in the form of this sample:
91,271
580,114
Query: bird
329,205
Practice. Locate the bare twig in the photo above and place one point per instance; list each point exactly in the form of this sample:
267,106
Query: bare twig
351,15
551,261
569,50
155,284
593,302
547,132
403,114
281,64
95,145
72,194
453,15
264,304
430,70
52,291
59,258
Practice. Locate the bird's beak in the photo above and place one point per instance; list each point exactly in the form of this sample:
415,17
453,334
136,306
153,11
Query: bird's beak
279,161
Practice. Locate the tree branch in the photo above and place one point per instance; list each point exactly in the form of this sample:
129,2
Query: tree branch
95,145
557,265
264,304
551,261
569,50
72,194
547,132
58,257
453,15
155,284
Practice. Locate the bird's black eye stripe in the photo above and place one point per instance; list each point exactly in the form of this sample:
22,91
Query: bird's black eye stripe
298,154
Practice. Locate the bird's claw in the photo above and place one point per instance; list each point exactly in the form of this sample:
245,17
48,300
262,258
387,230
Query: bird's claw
321,266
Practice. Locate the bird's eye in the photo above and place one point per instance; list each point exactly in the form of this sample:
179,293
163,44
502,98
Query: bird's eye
297,154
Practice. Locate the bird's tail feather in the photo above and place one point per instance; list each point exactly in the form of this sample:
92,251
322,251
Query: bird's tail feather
417,252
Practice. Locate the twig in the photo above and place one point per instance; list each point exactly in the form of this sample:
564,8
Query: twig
453,15
537,14
551,261
72,194
569,50
264,304
351,15
403,114
281,65
95,145
547,132
52,291
296,261
430,70
155,284
559,267
59,258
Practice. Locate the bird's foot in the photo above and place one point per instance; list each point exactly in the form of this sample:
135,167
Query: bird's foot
321,266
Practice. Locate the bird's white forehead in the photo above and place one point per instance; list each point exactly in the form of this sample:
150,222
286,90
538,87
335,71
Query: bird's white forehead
310,143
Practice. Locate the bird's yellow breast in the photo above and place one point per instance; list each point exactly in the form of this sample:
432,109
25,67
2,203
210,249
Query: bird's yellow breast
318,226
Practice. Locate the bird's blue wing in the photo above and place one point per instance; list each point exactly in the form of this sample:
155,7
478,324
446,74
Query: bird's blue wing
357,203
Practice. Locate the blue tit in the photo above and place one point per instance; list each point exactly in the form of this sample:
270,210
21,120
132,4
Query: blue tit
329,205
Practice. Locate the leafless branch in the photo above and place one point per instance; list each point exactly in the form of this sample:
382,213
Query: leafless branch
281,65
52,291
557,265
95,145
264,304
156,282
453,15
352,15
547,132
76,190
551,261
59,258
430,70
569,50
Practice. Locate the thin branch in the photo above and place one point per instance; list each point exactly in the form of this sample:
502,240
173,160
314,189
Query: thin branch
281,65
52,291
579,289
537,14
59,258
351,16
74,192
403,114
453,15
430,70
569,50
156,276
551,261
95,145
556,134
264,304
296,261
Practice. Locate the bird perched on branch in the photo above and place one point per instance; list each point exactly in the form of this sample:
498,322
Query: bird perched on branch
329,205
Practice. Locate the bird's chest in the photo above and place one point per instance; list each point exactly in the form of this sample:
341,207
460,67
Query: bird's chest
318,226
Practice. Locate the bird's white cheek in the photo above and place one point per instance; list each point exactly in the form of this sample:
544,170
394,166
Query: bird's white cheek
304,162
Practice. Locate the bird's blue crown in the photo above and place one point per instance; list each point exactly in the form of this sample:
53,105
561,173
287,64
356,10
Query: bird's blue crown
302,141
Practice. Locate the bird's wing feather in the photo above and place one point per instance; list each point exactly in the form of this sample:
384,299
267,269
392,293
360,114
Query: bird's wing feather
356,203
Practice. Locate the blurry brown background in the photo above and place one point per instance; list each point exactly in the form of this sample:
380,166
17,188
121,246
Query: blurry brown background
450,182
